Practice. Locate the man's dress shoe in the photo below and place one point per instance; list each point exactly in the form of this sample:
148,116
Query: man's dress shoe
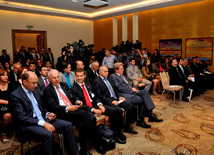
100,149
143,124
130,130
153,118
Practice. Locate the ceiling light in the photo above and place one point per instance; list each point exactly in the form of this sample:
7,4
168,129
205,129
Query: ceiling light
95,3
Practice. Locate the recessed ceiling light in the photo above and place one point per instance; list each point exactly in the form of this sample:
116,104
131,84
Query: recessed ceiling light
95,3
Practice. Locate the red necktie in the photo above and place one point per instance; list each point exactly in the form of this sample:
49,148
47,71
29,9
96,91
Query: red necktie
64,98
87,99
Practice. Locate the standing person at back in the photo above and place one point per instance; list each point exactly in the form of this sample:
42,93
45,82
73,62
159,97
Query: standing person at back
135,76
108,61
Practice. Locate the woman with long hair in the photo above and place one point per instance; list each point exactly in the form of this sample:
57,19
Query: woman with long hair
5,90
146,71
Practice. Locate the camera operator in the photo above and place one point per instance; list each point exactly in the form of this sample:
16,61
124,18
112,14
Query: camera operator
68,56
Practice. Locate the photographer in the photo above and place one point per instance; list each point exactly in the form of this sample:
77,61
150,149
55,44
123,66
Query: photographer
67,56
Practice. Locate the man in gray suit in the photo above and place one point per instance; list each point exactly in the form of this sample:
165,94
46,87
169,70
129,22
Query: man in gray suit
134,96
43,81
135,75
67,75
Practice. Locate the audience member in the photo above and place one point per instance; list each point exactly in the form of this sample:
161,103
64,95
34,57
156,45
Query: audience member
143,56
49,56
108,61
13,77
34,121
58,99
7,67
93,71
79,64
32,68
67,75
5,90
4,57
166,64
135,76
106,93
134,96
21,71
43,81
156,57
84,92
146,71
11,64
33,55
177,78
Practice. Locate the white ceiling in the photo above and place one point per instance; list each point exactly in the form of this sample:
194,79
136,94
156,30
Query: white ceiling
69,8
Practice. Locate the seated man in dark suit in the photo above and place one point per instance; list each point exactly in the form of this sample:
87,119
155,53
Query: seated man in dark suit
106,93
34,121
83,91
93,71
59,99
177,78
134,96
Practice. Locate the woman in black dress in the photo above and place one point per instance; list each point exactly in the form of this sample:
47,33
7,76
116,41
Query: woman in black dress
5,91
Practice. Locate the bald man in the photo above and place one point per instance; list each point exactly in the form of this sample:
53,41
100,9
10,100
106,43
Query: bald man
59,99
35,122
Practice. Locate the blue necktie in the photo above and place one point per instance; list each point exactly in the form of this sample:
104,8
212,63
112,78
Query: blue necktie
110,89
35,107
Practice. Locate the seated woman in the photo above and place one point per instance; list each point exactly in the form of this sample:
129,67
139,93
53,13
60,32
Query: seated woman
5,90
67,75
7,67
153,77
166,64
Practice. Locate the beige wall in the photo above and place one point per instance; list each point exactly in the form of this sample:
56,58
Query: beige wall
59,29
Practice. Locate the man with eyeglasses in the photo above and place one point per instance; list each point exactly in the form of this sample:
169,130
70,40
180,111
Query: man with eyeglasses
35,122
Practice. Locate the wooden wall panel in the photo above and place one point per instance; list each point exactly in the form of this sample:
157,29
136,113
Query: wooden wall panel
191,20
119,26
103,34
130,27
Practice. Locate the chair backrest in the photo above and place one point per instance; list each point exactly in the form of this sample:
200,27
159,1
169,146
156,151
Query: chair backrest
164,79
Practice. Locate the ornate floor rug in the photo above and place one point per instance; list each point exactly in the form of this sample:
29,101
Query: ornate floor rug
188,128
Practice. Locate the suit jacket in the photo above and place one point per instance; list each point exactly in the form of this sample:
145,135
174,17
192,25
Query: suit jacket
4,58
130,72
102,92
77,92
187,71
32,58
175,77
41,85
121,86
22,109
71,77
47,57
195,69
52,101
91,75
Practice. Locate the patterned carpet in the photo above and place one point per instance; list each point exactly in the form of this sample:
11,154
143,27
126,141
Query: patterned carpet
189,126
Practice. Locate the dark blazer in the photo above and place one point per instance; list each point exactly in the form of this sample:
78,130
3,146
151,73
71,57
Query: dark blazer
52,101
32,58
187,71
4,58
102,92
78,94
22,109
175,77
47,58
195,69
91,75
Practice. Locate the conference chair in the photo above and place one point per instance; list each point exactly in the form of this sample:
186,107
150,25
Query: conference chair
170,88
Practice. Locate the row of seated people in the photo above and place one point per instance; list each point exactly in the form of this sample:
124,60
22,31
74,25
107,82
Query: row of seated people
76,105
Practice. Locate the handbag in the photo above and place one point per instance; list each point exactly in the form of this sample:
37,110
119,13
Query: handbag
104,131
107,137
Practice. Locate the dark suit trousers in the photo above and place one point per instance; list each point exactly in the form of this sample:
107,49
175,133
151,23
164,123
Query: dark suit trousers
129,108
115,114
86,124
47,138
143,100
